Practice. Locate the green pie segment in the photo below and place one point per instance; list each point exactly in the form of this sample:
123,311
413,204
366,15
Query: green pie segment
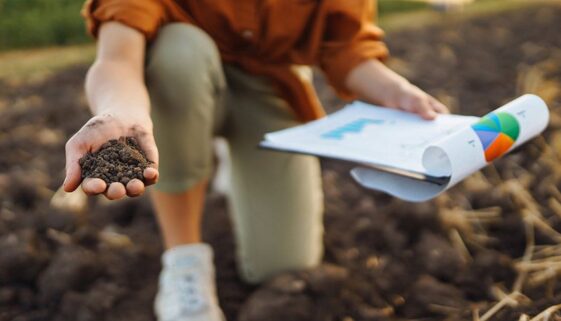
509,125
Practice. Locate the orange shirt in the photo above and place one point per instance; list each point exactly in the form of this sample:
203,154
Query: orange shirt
267,37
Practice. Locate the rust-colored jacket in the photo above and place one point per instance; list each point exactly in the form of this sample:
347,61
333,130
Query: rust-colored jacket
266,37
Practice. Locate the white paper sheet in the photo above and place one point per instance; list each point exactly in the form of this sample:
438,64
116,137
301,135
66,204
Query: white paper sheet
451,147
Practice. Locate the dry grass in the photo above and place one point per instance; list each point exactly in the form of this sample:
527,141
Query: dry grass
478,8
540,266
25,66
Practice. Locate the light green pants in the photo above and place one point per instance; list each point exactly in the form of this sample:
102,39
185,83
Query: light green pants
276,198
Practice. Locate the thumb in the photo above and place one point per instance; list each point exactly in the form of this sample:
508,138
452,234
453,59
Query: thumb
148,145
74,151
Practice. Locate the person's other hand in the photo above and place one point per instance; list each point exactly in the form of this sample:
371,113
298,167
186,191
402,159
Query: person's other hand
411,98
375,83
97,131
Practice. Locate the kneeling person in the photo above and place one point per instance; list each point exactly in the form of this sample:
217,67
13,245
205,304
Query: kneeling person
175,73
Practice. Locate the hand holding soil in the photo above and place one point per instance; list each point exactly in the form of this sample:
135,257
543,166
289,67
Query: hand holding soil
106,165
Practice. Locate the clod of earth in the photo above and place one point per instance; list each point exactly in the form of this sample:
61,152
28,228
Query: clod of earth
119,161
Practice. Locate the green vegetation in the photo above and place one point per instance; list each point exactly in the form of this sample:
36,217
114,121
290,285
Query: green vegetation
39,23
44,23
388,7
57,25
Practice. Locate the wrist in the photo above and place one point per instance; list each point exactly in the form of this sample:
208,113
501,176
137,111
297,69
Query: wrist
395,92
374,82
137,116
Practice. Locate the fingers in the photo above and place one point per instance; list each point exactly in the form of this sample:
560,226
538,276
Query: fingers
419,104
115,191
73,176
135,188
151,175
148,145
93,186
427,112
438,106
423,104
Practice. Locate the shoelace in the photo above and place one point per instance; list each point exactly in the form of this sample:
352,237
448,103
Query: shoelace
190,293
183,285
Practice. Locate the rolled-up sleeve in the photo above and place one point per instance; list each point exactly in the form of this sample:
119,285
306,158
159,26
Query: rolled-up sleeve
350,38
145,16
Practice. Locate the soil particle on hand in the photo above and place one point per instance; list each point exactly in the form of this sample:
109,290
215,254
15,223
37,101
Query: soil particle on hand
116,161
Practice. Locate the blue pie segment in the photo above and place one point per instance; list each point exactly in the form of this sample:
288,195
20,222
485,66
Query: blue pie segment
486,137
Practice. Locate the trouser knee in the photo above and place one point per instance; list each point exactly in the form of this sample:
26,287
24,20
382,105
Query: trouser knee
278,214
256,270
185,81
183,54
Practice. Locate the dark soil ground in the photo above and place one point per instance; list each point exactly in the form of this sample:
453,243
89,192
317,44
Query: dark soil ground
118,160
384,259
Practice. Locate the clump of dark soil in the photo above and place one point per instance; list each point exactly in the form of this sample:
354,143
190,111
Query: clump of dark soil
119,161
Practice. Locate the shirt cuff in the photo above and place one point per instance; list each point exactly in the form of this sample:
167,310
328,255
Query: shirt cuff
145,16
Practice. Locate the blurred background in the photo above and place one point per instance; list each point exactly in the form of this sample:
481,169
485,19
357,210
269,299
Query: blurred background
489,249
42,23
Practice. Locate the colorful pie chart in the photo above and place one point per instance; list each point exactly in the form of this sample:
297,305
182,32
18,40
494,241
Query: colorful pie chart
497,132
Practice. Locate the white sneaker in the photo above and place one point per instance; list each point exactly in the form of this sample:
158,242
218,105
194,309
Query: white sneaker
187,289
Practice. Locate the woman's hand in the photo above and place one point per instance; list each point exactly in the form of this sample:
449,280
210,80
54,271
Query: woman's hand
97,131
118,97
411,98
375,83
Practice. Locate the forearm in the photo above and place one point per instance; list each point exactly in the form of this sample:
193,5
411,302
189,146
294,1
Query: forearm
114,86
373,82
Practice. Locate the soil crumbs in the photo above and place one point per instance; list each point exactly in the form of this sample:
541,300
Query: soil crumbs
449,259
116,161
